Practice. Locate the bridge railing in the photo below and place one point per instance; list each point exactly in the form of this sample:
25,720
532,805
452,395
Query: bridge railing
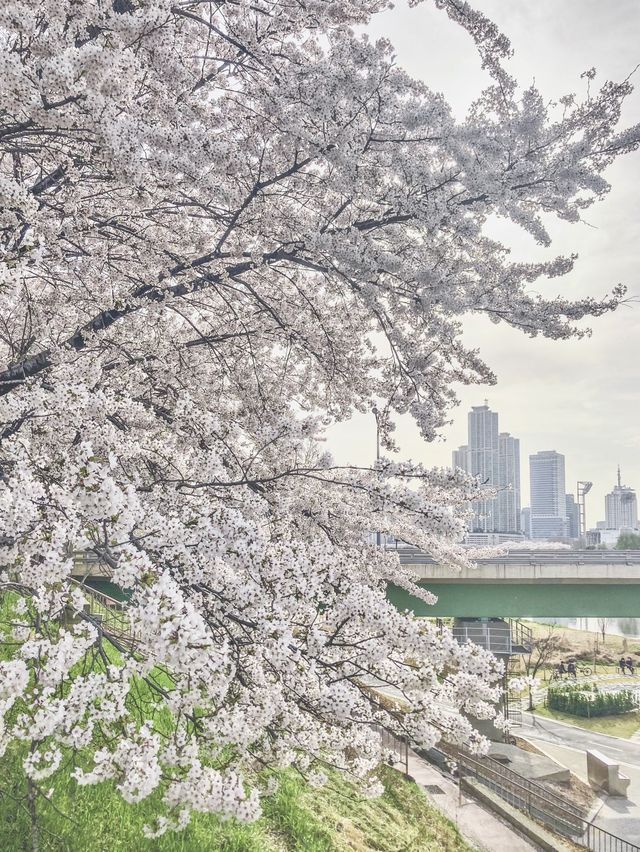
581,558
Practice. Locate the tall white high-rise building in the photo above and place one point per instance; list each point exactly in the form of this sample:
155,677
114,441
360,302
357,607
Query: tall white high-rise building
494,457
483,462
621,507
460,458
548,495
509,480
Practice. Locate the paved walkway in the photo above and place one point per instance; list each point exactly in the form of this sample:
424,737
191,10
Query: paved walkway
480,827
568,745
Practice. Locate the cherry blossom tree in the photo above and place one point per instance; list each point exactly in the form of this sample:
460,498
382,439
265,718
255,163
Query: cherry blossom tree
225,226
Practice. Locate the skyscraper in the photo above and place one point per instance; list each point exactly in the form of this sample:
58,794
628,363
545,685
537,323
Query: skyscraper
459,458
494,457
482,460
573,517
621,507
548,495
509,482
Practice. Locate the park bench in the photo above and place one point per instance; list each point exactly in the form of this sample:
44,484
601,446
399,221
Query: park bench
604,774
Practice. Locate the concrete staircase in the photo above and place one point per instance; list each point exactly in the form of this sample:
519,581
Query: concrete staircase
108,615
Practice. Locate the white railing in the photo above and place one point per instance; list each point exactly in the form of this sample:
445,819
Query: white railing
495,638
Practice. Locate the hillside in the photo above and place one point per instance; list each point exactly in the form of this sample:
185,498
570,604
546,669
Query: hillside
298,817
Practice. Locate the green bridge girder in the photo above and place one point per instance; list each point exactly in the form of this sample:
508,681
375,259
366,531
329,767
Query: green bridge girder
521,600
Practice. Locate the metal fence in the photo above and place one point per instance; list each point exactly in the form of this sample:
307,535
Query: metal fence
598,840
495,638
535,799
399,745
538,802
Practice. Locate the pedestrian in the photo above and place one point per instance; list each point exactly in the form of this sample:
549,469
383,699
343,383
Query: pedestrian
561,670
623,666
571,669
630,665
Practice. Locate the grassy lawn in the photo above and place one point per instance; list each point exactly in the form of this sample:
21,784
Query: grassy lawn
581,643
624,725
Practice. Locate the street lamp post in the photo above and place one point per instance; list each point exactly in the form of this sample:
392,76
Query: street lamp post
583,489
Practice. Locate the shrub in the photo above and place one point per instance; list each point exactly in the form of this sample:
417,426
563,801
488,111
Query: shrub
586,700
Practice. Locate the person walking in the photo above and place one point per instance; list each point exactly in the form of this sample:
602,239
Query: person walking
630,665
623,666
561,670
571,669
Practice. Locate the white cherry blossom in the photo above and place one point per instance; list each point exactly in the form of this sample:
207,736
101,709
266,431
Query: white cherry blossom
224,227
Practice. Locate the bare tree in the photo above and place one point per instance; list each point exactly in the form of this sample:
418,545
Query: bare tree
602,628
543,650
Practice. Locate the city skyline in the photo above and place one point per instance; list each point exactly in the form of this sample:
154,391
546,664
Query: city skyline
348,441
484,455
578,396
550,509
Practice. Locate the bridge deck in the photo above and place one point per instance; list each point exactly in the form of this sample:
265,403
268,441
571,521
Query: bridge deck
530,583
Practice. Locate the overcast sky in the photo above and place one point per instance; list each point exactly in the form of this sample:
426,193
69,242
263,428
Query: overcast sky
580,398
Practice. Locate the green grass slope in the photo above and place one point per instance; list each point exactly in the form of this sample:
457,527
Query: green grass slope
297,817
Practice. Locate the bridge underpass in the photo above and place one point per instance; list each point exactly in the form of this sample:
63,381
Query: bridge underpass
521,584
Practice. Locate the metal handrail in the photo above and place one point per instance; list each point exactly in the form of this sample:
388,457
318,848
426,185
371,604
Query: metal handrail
521,793
464,756
598,839
538,802
522,634
495,638
392,742
109,606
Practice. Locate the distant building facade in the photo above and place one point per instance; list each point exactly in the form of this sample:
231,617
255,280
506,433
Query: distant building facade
494,457
525,522
602,537
482,461
460,458
621,507
509,480
548,495
573,517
